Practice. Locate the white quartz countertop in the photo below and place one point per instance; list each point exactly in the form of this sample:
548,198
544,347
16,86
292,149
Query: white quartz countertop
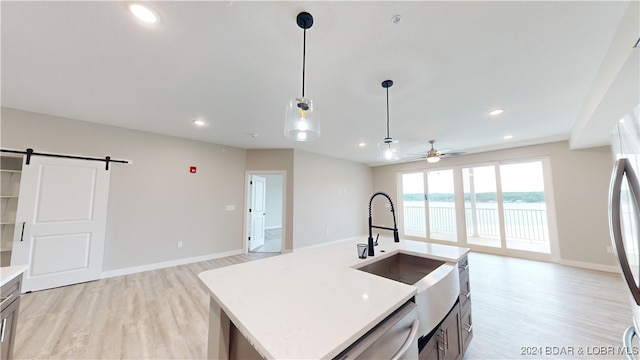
8,273
312,303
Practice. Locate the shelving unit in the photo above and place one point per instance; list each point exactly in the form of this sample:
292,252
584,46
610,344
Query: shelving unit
10,175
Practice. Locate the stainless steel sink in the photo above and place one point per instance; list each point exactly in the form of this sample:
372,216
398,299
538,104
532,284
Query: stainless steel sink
437,284
404,268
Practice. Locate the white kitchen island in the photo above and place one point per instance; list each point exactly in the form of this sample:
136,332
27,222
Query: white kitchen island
311,303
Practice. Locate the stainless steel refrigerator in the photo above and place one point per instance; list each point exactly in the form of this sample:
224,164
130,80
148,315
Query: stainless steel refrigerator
624,213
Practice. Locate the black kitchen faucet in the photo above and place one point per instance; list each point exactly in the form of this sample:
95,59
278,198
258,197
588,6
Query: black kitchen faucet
371,226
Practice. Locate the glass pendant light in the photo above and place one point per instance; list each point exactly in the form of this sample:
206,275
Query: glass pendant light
388,148
300,123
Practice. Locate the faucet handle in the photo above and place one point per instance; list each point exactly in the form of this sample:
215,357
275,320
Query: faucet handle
376,242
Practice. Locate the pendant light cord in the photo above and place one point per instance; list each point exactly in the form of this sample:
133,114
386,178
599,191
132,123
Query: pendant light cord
388,113
304,53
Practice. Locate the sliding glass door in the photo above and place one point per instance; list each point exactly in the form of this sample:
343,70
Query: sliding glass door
525,207
505,206
482,215
442,206
432,190
413,199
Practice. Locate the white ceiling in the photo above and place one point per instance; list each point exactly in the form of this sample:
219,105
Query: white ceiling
236,64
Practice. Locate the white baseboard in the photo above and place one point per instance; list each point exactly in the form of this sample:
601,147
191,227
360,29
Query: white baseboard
166,264
590,266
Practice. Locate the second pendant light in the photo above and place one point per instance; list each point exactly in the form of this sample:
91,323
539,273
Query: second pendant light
388,148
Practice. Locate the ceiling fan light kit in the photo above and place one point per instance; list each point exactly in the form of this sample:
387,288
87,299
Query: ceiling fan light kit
433,155
388,148
300,123
433,159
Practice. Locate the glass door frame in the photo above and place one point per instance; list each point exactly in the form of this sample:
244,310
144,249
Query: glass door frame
455,202
499,203
457,185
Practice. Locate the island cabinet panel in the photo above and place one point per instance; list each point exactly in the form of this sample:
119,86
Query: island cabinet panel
466,327
10,305
219,332
240,348
450,335
451,338
432,349
444,342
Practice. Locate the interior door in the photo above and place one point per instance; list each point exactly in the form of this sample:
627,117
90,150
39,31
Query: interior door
257,211
61,221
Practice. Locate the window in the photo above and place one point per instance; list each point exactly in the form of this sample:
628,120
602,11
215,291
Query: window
439,198
525,208
442,206
413,204
503,206
481,205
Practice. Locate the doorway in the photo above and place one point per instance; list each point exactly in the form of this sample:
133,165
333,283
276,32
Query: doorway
264,211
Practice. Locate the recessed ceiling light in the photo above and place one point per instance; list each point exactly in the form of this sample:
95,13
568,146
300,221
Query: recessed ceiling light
362,144
507,137
199,122
496,112
144,13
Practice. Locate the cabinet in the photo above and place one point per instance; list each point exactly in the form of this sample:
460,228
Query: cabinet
444,341
451,338
466,325
10,172
10,306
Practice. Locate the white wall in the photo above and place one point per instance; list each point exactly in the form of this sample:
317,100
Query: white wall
580,181
154,202
331,197
322,193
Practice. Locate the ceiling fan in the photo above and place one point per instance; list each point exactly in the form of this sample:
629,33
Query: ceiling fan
433,155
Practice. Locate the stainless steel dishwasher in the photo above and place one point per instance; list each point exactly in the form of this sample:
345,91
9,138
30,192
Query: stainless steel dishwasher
396,337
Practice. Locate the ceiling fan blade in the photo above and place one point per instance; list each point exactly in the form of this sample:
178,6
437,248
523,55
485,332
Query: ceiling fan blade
415,158
454,153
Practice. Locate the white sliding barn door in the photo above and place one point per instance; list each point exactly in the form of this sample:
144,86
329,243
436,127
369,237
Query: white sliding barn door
61,221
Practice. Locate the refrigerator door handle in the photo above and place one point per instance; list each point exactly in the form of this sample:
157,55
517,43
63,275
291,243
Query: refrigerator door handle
627,342
622,168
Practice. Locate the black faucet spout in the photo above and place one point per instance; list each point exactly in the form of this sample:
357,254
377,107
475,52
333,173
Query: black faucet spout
396,237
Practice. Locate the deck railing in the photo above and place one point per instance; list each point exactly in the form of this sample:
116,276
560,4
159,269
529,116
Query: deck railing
525,224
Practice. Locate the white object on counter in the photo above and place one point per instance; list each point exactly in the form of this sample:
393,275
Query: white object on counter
313,303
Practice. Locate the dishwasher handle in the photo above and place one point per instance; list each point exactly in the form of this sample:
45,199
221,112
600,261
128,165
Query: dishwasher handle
407,343
627,342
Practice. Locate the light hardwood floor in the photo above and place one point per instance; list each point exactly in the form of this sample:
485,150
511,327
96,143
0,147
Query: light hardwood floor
522,305
164,313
